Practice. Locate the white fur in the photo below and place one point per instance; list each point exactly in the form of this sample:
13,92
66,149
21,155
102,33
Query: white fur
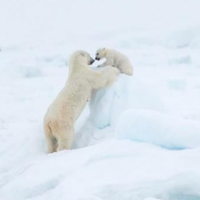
70,102
116,59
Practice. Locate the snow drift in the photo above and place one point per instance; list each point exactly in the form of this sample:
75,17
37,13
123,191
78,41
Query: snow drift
159,129
112,159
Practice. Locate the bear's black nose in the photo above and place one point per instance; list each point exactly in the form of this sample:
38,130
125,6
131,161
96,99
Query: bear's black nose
97,58
92,61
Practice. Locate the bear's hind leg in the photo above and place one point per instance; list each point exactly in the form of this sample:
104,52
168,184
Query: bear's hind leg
51,144
50,139
65,139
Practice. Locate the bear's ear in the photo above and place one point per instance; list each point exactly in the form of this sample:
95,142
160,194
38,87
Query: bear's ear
104,48
81,53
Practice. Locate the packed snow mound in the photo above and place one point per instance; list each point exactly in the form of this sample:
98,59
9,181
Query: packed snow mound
159,129
136,170
106,105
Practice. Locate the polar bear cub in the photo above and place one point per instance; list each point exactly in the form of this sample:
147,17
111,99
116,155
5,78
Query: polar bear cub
115,59
63,112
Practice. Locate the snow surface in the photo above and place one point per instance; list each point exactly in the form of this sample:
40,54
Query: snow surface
139,139
159,129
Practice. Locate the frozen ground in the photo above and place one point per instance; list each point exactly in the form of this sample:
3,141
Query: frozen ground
137,140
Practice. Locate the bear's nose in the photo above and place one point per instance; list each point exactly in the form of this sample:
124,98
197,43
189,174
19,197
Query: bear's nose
97,58
92,61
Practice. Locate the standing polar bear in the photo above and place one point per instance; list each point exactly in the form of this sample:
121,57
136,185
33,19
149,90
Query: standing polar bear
115,59
70,102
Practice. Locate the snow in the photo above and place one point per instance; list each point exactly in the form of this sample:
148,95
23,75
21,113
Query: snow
159,129
137,139
106,105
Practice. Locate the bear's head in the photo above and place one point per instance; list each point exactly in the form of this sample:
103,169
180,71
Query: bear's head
101,53
81,56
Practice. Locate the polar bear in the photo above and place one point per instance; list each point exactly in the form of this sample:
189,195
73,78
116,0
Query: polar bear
63,112
115,59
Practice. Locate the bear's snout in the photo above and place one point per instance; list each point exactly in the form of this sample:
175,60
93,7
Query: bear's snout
97,58
92,61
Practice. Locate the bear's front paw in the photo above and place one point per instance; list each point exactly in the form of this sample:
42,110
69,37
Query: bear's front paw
112,71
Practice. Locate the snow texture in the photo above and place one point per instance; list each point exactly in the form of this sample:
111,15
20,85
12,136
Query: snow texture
159,129
138,139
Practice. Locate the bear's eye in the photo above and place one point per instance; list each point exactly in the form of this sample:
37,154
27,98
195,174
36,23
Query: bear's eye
97,54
